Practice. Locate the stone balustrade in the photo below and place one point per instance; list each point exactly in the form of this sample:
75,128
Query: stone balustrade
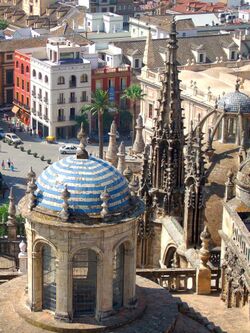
178,279
241,240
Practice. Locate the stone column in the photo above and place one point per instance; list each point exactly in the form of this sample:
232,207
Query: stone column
203,274
63,290
111,155
104,306
224,130
130,271
139,145
37,287
11,223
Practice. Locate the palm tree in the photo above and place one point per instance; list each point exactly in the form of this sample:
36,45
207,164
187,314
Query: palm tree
99,103
134,94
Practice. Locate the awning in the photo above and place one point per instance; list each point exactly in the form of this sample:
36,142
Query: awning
15,109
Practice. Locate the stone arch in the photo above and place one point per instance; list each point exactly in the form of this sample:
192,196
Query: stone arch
169,255
79,247
126,241
39,242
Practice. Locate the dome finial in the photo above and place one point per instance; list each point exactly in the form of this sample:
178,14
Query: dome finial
32,197
64,213
105,198
81,152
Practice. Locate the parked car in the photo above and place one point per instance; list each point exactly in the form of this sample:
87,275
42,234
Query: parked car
2,133
13,138
68,149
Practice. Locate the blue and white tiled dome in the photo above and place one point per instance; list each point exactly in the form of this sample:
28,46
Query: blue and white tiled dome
86,179
235,101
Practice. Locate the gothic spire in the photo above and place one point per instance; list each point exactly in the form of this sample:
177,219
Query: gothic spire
148,57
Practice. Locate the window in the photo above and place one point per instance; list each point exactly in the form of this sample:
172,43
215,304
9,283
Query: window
46,79
61,80
137,63
34,73
150,110
9,57
72,114
72,98
23,84
17,96
17,81
27,101
27,69
9,76
98,84
60,115
84,96
40,76
201,57
111,83
22,69
123,84
17,64
233,53
49,278
72,82
22,99
28,86
84,78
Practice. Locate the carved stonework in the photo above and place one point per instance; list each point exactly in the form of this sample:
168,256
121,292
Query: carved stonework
234,287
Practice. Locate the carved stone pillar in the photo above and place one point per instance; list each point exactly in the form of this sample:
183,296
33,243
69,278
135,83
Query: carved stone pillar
139,145
111,155
63,290
35,298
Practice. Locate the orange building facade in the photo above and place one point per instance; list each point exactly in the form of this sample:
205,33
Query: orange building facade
22,87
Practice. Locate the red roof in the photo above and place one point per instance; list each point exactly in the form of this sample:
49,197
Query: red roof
187,6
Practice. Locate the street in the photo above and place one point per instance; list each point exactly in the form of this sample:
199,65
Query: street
22,161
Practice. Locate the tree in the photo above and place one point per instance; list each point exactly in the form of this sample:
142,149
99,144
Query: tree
3,24
99,104
134,94
4,218
83,119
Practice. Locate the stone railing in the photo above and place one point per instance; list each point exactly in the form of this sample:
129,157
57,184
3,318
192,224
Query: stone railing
106,70
241,240
178,279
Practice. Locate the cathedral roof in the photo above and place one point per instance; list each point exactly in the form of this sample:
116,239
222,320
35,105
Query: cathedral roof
235,102
86,180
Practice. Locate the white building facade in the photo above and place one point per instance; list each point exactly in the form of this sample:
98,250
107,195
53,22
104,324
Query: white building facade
60,86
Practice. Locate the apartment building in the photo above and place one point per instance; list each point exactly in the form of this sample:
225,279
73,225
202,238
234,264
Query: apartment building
60,83
37,7
21,100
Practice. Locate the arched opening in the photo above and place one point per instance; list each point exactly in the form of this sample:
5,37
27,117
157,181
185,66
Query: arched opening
22,69
40,76
72,82
46,79
60,80
170,256
34,73
118,277
27,69
48,278
84,78
84,273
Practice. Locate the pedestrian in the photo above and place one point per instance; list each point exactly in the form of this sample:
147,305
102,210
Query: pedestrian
3,165
8,162
12,166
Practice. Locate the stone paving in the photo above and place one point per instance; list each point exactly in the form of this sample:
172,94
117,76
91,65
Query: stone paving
232,320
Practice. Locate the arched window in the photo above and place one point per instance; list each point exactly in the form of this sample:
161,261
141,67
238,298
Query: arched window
46,79
27,69
84,282
34,73
40,76
49,277
84,78
118,277
22,69
72,82
17,64
60,80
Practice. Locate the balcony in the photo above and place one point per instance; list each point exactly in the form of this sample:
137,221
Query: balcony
45,99
84,99
39,114
45,117
33,111
72,100
39,96
33,93
61,118
72,84
61,101
21,105
72,117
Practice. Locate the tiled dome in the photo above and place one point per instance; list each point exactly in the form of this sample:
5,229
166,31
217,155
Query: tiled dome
86,179
235,101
